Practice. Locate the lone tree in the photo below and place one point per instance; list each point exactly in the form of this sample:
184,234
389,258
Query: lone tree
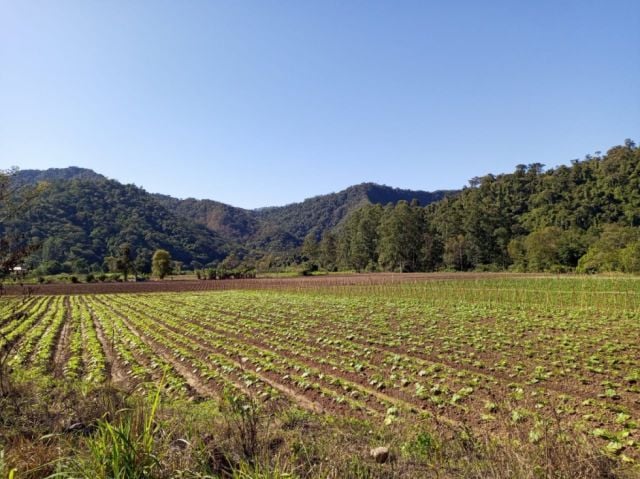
161,263
125,262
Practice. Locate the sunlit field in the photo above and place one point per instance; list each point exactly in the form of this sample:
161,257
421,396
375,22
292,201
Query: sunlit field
511,358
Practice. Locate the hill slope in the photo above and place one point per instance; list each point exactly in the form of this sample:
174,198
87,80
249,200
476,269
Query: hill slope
83,217
233,223
80,222
281,228
26,177
321,213
584,217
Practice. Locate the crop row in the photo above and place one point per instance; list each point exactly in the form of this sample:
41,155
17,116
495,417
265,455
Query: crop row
371,349
387,353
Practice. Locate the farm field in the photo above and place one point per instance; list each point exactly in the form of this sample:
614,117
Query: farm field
287,283
492,355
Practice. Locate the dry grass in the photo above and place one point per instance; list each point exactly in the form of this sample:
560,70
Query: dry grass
242,438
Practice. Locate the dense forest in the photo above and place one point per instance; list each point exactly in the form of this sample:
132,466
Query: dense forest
81,222
283,228
81,226
582,217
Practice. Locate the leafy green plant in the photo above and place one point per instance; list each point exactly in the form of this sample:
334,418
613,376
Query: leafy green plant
122,447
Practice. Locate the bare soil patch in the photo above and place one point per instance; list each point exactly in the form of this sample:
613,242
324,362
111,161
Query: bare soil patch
260,283
115,369
62,353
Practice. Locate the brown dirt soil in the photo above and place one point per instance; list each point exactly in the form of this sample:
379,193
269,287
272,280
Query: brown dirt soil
404,398
115,369
62,352
318,403
260,283
194,380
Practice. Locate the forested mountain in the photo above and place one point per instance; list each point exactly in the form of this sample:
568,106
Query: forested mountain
282,228
321,213
81,224
581,217
81,219
234,224
585,216
25,177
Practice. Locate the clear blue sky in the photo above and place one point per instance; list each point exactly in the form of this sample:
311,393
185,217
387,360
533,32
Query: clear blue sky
259,103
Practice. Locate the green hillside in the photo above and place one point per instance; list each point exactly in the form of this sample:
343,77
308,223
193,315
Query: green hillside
79,223
282,228
27,177
81,219
583,217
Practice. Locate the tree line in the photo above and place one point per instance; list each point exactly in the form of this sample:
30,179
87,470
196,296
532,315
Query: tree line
584,217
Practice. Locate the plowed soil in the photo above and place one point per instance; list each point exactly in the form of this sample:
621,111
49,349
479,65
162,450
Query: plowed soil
178,285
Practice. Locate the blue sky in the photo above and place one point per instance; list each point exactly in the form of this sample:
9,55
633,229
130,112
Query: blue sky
259,103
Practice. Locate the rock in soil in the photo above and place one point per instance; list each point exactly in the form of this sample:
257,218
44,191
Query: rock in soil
380,454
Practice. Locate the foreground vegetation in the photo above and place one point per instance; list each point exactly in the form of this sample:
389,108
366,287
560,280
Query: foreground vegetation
476,378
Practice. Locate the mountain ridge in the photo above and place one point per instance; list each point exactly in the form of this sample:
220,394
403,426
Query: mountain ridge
583,217
30,176
275,229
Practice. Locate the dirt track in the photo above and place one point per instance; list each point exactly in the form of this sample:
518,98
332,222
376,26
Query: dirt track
263,283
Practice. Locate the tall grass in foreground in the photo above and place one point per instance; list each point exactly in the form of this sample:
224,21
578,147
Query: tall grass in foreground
242,439
123,447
